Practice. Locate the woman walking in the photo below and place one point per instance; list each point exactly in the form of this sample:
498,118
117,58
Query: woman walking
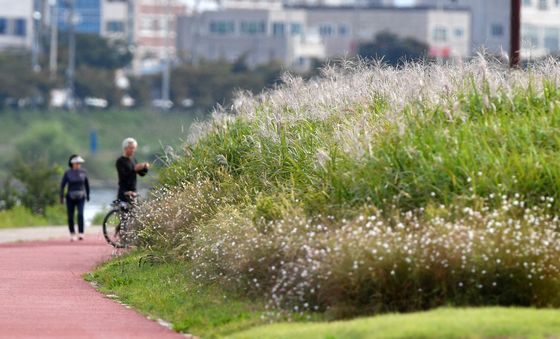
77,194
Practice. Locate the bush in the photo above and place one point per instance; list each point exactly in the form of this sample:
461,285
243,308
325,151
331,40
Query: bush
40,182
20,216
379,189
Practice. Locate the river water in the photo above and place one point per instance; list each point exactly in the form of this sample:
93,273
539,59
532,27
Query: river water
100,200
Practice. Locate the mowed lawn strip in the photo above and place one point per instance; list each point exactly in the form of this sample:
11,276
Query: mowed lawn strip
167,290
492,322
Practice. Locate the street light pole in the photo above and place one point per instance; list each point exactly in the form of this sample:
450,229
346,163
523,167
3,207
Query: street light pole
35,50
53,57
71,70
515,42
130,24
166,77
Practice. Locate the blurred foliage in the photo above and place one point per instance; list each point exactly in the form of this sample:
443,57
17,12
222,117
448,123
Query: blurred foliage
39,180
209,83
8,195
393,49
18,79
44,140
95,51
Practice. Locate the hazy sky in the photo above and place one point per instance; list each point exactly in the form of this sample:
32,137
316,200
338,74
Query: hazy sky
404,2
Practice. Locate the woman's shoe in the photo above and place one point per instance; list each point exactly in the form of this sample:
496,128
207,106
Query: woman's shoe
81,236
72,237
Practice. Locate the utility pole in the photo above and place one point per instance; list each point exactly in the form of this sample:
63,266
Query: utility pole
130,25
515,41
71,70
53,57
35,50
166,76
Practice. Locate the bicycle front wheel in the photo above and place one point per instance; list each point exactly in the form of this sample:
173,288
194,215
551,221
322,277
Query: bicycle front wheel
112,227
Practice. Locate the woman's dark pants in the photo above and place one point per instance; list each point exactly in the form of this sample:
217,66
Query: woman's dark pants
70,206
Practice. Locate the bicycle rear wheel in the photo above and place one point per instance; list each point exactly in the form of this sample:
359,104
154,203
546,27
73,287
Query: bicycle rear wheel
112,226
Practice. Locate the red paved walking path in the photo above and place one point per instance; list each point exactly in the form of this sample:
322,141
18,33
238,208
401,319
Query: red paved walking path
43,294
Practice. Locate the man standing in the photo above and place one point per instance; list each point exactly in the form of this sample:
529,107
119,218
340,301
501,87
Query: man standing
128,169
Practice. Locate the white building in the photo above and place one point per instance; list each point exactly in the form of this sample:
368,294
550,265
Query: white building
540,25
339,2
260,36
342,29
490,22
16,24
540,28
115,19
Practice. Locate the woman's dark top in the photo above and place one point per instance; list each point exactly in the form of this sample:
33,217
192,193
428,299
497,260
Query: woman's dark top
127,175
77,181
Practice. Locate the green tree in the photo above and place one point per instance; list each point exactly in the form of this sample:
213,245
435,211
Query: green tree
39,180
212,82
18,79
393,49
8,195
46,141
96,82
97,52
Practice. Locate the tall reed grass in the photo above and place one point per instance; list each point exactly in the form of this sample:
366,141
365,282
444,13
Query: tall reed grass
374,189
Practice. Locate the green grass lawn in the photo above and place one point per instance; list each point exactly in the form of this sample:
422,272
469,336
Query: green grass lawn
493,322
167,290
19,216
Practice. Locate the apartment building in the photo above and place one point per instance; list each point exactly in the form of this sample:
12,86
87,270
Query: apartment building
259,35
540,25
87,15
490,22
16,24
153,38
540,28
116,17
342,29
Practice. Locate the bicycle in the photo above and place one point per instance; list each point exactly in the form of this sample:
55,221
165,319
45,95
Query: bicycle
115,228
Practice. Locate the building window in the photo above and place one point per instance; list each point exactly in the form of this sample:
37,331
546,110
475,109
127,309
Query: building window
278,29
222,27
551,39
497,30
440,33
343,30
557,3
326,30
253,27
3,26
115,26
296,28
530,36
20,27
459,32
527,3
543,4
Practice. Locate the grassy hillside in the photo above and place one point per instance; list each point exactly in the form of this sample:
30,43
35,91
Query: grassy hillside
373,190
442,323
153,130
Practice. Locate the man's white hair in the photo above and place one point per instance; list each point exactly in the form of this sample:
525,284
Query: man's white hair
129,141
